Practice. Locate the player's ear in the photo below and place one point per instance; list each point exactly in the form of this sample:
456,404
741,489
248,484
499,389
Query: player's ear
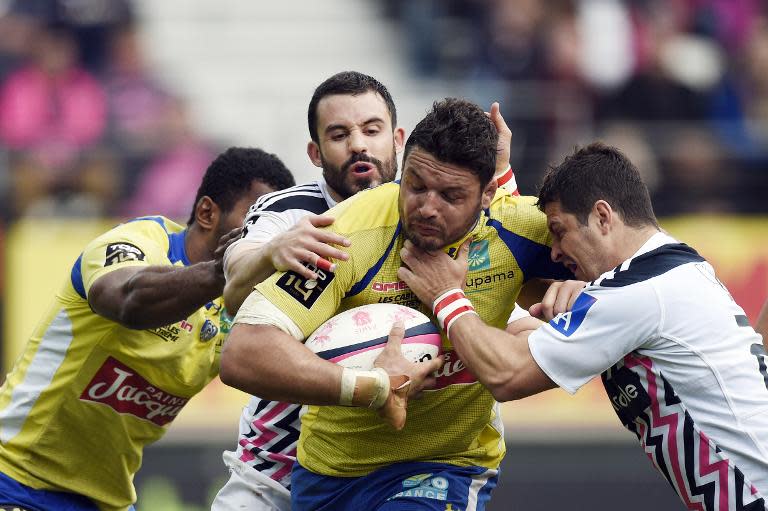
313,151
207,213
488,193
604,215
399,135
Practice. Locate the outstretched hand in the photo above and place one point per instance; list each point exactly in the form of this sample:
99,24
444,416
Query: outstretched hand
305,242
431,273
407,379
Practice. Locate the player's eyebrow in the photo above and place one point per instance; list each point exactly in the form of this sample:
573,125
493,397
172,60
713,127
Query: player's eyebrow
338,126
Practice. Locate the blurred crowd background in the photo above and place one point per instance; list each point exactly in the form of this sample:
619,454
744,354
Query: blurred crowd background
87,128
113,108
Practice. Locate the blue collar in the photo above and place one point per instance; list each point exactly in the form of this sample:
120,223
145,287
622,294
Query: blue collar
176,247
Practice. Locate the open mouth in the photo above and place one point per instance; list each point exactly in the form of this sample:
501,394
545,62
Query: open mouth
362,168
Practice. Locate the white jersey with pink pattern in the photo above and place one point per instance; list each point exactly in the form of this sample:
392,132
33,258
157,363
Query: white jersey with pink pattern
684,371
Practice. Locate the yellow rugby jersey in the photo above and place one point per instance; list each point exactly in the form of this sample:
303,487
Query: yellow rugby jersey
86,395
458,422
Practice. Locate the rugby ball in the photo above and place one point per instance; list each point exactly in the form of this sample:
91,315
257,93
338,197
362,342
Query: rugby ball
355,337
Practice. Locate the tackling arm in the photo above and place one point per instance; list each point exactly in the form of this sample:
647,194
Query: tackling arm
154,296
501,361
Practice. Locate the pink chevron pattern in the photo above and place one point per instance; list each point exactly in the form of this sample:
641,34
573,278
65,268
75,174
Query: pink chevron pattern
268,439
666,423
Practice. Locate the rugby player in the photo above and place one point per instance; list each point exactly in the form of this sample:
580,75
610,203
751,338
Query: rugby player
347,453
134,332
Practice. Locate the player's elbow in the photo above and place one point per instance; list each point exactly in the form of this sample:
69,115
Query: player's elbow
230,370
233,298
236,368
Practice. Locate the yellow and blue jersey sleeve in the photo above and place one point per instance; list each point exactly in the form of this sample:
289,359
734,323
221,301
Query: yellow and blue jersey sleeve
522,228
141,242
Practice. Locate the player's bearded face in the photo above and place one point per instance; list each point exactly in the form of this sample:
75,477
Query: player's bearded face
439,202
359,172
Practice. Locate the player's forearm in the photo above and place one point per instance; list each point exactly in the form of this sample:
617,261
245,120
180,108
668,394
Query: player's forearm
162,295
266,362
497,358
245,269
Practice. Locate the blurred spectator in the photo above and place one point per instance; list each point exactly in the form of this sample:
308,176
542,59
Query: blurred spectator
740,106
50,111
169,184
16,33
655,70
91,23
693,182
138,107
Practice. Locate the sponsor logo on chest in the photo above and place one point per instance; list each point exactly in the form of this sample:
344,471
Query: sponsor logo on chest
127,392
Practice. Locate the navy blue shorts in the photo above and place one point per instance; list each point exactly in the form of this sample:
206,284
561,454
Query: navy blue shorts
398,487
15,493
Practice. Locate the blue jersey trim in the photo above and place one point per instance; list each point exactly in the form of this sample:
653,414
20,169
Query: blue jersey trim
376,267
176,241
534,259
76,276
176,247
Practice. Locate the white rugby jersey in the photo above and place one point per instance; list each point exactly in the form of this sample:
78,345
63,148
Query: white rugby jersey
682,367
269,430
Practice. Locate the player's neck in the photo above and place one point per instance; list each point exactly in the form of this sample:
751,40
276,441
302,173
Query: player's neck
632,239
198,245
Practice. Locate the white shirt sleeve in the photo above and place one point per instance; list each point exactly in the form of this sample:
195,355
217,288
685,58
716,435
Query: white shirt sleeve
605,324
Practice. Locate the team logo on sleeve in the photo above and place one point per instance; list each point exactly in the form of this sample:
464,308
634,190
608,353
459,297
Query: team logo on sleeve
122,252
304,291
568,322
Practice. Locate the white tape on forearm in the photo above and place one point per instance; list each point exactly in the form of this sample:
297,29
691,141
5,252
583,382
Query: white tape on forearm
364,388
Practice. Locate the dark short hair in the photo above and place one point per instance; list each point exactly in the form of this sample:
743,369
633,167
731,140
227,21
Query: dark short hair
457,131
598,172
351,83
230,175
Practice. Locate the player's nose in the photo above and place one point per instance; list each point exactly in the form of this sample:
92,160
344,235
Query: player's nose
357,142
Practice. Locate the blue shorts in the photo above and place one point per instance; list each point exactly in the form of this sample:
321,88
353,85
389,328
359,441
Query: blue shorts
398,487
13,492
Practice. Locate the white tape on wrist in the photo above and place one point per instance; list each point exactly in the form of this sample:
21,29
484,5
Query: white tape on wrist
450,306
368,389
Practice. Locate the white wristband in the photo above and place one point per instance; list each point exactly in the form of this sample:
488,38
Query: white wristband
450,306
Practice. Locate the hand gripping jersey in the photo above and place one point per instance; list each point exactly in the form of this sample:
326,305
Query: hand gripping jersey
682,367
269,430
87,394
457,423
